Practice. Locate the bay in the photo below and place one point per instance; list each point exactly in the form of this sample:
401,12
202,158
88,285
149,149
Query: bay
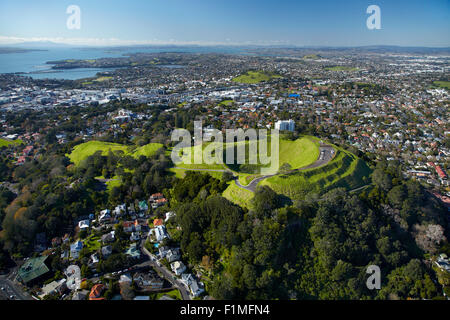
34,63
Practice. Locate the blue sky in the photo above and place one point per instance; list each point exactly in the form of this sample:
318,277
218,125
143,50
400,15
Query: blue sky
287,22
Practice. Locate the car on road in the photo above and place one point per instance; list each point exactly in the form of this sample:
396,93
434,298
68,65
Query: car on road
12,297
3,289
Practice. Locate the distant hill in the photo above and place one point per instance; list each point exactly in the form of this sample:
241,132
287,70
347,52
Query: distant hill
40,45
6,50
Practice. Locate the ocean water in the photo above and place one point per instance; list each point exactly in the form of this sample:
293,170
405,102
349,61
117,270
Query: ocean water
34,63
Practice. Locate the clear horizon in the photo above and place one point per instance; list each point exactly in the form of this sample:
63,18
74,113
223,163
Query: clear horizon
262,23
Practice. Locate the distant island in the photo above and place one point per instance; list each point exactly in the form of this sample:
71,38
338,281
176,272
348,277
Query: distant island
6,50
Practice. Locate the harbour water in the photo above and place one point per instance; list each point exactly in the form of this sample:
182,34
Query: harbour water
34,63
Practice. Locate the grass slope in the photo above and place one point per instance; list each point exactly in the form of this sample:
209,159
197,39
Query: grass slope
238,195
341,68
442,84
252,77
298,154
345,170
6,143
84,150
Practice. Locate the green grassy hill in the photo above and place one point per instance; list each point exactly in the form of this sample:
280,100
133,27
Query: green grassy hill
442,84
5,143
238,195
84,150
299,153
345,170
341,68
252,77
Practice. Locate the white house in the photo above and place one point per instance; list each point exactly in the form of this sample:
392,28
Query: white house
160,233
104,215
195,288
75,249
119,210
83,224
178,267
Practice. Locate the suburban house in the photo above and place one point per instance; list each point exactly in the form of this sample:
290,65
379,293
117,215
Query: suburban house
173,255
105,215
178,267
195,288
119,210
158,222
143,206
148,281
131,226
83,224
160,233
156,196
109,237
75,249
159,203
133,252
443,262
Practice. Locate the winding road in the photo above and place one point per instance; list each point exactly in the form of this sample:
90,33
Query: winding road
166,273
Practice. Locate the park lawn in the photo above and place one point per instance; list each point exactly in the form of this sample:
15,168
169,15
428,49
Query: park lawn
148,150
442,84
311,57
345,170
299,153
238,195
341,68
102,79
84,150
252,77
175,294
188,162
226,103
6,143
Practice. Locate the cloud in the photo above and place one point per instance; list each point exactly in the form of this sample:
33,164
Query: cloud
11,40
